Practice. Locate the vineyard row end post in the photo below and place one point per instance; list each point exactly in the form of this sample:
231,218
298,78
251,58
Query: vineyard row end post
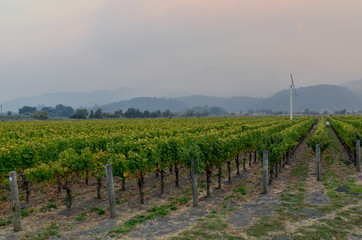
110,188
358,155
15,201
194,184
318,162
265,172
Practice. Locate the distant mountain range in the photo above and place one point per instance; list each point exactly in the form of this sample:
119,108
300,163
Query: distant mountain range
318,98
74,99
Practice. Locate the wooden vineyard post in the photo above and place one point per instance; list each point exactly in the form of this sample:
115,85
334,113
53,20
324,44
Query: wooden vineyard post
194,184
110,188
358,156
265,172
318,162
15,201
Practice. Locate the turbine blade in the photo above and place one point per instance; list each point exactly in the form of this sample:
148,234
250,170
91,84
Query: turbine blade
291,77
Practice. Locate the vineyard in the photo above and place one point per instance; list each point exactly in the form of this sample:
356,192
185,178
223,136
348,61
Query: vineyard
60,167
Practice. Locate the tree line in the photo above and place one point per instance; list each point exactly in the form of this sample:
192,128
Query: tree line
62,111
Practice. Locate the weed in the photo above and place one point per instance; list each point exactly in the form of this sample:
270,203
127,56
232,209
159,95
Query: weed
81,217
240,189
100,211
24,212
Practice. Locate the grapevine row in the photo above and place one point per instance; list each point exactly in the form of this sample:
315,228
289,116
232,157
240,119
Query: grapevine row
136,153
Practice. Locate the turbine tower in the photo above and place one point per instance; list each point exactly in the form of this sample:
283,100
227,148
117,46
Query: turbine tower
291,96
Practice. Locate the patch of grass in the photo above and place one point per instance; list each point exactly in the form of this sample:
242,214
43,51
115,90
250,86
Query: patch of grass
240,189
210,228
187,191
4,222
319,232
188,235
50,206
354,188
293,201
179,200
24,212
173,207
100,211
159,211
265,225
81,216
301,170
215,225
130,224
202,186
46,233
155,211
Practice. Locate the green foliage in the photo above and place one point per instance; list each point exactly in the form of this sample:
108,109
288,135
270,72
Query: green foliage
320,136
24,212
81,216
240,189
100,211
66,151
80,114
41,115
348,129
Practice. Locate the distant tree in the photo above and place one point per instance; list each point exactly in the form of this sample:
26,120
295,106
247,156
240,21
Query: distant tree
189,113
216,111
341,112
80,114
41,115
91,115
98,114
325,112
63,111
250,111
27,109
204,113
167,113
59,111
49,110
156,114
307,111
146,114
130,113
118,113
278,113
139,114
9,113
109,115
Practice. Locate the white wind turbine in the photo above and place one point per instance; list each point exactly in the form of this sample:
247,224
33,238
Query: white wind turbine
291,96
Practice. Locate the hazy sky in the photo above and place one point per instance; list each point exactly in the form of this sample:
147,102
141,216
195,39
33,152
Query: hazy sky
213,47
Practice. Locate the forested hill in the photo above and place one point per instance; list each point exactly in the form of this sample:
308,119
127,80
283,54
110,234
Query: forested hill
318,98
